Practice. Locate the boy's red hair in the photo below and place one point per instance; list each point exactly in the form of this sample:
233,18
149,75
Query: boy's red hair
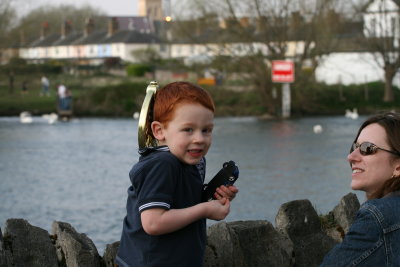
168,98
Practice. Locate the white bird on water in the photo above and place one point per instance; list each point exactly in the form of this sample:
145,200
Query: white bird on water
51,118
351,114
317,129
25,117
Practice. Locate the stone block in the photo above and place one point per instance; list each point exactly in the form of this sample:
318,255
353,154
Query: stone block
5,256
247,243
346,210
300,222
29,245
76,249
297,218
110,253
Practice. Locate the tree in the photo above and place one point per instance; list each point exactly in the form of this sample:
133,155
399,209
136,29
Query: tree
7,17
382,39
30,25
250,34
149,57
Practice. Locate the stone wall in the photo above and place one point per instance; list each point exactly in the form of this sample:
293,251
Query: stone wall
300,238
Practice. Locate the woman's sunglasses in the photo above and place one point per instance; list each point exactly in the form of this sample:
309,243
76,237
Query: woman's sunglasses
367,148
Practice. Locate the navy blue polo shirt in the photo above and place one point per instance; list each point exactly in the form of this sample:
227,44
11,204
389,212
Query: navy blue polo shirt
160,180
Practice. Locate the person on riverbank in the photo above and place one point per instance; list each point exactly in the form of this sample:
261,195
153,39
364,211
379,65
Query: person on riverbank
374,237
165,223
64,97
45,85
61,91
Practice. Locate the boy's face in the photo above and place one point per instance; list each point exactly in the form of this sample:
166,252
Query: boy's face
189,134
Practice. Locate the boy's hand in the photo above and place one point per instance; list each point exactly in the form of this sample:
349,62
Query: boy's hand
228,192
218,209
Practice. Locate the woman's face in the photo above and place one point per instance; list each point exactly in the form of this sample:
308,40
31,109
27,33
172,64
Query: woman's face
369,172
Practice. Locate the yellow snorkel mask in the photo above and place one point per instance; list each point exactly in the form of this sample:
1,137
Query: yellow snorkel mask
145,139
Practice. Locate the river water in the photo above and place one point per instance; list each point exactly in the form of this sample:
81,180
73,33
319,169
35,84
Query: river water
77,171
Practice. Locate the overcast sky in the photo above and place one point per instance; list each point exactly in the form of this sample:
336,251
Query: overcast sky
110,7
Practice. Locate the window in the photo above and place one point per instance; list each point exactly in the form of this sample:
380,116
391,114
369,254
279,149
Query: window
372,27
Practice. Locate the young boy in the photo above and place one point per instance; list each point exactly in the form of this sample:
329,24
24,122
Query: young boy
165,223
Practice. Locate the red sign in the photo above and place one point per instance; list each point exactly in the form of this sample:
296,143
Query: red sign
282,71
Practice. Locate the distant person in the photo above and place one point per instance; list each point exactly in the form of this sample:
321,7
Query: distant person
61,90
45,86
374,237
62,94
67,99
165,223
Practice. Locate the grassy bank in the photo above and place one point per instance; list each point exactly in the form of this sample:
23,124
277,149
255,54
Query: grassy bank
335,99
121,97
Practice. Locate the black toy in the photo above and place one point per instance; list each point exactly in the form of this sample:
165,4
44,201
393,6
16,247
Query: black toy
226,176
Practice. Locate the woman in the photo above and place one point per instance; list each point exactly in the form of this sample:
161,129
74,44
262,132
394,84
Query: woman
374,237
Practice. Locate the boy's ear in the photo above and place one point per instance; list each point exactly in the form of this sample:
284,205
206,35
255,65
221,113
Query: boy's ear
158,130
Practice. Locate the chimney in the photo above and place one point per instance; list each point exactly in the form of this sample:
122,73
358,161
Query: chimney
131,25
44,30
89,27
223,23
244,22
112,26
66,28
262,25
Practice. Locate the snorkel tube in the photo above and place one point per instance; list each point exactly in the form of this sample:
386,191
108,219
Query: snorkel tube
145,138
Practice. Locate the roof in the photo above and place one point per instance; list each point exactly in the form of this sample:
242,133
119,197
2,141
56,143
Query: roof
68,39
132,36
94,38
130,29
48,40
140,24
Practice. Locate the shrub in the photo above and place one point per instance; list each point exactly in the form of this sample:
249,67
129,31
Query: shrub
137,70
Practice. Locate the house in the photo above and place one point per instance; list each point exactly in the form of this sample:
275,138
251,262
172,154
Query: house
90,47
381,19
123,35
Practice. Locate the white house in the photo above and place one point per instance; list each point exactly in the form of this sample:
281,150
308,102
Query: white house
124,35
381,19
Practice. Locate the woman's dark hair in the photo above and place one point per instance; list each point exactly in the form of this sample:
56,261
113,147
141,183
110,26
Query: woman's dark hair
390,121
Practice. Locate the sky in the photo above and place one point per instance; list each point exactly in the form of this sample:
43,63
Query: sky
110,7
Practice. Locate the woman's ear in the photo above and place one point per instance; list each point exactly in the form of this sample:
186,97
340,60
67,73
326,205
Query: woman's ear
396,171
158,130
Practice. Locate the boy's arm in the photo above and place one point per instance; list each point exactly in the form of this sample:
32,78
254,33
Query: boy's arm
159,221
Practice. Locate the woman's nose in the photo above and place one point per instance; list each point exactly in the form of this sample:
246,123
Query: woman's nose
354,156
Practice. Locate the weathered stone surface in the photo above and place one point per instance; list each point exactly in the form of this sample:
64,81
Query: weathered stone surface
5,256
247,243
297,217
300,222
77,249
336,233
29,245
110,253
297,240
346,210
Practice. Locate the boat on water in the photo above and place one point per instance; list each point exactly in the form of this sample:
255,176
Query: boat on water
65,108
